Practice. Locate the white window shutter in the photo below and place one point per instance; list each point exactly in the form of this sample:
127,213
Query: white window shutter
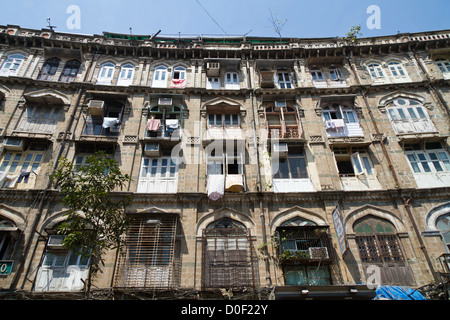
357,163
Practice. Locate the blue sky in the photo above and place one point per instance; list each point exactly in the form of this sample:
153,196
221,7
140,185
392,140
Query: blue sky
305,18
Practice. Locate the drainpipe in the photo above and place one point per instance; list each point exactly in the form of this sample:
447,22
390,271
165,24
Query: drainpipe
392,170
259,183
422,244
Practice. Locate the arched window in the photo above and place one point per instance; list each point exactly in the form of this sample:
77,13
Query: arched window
444,65
336,74
284,79
378,245
106,73
126,75
305,252
12,64
70,71
227,258
178,77
443,225
375,70
168,118
397,69
232,80
409,116
160,77
404,109
316,74
49,69
179,73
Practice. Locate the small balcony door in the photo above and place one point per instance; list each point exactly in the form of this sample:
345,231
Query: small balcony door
158,175
62,271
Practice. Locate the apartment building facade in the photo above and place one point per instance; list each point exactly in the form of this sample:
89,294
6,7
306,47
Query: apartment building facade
288,164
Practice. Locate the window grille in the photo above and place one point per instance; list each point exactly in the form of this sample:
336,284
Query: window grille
148,260
227,256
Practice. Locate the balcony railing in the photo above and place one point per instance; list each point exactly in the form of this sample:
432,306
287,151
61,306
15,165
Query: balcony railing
287,133
164,133
37,125
99,126
342,128
413,126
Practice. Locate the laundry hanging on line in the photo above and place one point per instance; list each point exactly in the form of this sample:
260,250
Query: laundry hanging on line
153,124
110,122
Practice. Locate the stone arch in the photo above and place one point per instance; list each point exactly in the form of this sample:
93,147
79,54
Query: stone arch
223,213
394,59
402,94
222,102
366,62
56,219
296,212
181,64
155,210
16,51
434,214
114,61
15,216
367,210
47,96
160,64
124,62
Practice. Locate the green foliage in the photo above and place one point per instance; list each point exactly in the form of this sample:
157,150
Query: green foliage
288,255
353,33
96,220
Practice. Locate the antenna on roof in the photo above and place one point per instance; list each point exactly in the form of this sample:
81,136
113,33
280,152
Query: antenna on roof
131,31
49,24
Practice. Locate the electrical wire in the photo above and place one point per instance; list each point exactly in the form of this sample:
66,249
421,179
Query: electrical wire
211,17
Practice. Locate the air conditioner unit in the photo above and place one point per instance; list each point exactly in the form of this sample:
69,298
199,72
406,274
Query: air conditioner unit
212,69
152,150
56,242
280,104
318,253
96,108
165,101
14,144
281,149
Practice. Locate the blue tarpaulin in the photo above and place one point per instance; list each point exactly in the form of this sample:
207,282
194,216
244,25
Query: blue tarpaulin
398,293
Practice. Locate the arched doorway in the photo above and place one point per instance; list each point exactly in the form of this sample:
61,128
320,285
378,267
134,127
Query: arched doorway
379,246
